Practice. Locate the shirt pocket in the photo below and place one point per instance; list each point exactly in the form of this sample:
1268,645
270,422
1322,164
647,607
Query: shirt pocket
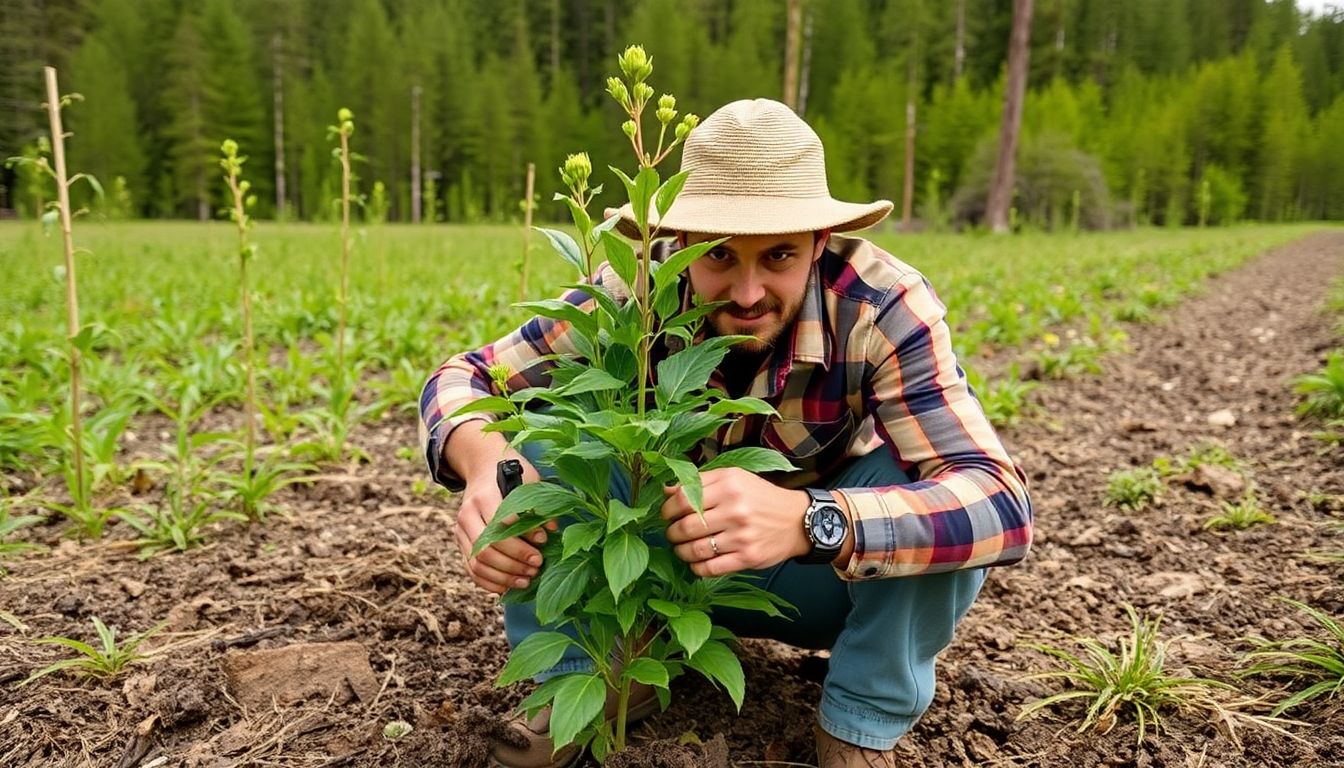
812,446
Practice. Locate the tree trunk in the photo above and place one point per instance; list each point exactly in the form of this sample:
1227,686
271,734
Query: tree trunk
415,154
791,51
278,87
908,193
1001,189
806,67
959,49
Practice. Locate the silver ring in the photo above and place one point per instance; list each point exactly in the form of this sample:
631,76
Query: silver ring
714,546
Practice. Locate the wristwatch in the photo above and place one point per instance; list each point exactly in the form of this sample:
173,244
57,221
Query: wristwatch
825,525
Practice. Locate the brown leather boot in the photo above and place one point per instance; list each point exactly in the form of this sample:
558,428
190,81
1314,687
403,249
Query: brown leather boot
536,750
834,753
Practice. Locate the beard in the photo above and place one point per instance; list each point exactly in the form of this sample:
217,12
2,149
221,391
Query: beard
724,322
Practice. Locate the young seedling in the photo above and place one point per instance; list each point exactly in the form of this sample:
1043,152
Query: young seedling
106,662
342,131
79,337
1313,666
636,610
1241,515
11,524
1131,681
1004,400
1133,489
1323,393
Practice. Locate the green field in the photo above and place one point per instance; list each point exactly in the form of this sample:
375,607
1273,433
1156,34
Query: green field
164,299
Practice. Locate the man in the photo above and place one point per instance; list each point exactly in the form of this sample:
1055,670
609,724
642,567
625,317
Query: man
904,494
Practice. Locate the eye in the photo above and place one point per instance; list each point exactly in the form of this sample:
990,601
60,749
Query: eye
779,257
718,256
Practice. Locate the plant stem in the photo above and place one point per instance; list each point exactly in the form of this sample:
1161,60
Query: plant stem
345,252
71,295
250,404
623,701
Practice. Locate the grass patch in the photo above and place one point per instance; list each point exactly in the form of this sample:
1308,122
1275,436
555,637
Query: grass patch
103,663
1240,516
1133,489
1313,666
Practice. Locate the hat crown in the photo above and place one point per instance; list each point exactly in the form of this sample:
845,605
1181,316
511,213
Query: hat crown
755,147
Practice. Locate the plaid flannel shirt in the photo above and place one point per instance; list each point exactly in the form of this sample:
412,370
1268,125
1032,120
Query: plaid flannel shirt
868,363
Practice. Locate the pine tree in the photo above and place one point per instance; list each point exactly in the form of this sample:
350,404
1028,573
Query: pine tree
109,137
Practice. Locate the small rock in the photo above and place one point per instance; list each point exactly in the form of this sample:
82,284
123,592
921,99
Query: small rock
1088,583
1172,585
138,688
1222,482
982,746
296,672
1090,537
1222,418
69,605
454,630
318,548
133,588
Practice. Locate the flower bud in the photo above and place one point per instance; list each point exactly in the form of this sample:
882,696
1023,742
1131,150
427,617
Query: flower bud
643,93
578,168
244,185
629,128
667,101
686,125
499,374
634,61
666,116
344,115
618,92
229,148
348,128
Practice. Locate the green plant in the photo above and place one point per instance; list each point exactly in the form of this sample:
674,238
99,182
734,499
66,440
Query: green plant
342,131
637,611
1241,515
1202,454
106,662
193,486
1133,489
1323,393
80,337
1005,400
329,426
11,524
1131,680
253,487
1317,664
250,489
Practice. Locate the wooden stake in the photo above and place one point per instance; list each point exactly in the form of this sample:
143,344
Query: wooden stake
71,295
415,154
527,229
792,38
907,202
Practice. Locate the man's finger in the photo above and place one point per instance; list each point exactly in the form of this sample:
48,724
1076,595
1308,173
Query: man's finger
492,579
499,561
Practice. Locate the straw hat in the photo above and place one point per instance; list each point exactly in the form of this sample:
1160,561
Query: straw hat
756,169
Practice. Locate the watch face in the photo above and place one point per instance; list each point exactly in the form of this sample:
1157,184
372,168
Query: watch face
828,526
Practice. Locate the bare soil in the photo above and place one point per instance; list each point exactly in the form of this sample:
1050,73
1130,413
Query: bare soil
359,579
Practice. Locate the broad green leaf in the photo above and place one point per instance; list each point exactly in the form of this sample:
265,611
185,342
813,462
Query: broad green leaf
601,603
747,603
690,368
592,380
620,362
537,653
541,696
666,304
599,293
582,221
669,274
621,256
717,662
561,585
691,315
648,671
667,193
627,612
624,557
751,405
565,246
689,478
578,700
491,404
579,537
664,564
589,451
606,226
691,629
619,514
665,607
688,429
751,459
561,310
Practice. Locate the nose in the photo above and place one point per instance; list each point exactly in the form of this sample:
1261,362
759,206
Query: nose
747,290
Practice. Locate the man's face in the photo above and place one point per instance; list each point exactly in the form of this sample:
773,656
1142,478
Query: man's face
763,277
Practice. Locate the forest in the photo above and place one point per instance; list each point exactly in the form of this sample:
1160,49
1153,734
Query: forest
1145,111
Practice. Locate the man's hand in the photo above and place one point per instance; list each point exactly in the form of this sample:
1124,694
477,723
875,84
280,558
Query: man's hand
753,522
505,564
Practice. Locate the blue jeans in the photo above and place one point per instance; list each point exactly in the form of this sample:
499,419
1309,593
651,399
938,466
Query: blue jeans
884,636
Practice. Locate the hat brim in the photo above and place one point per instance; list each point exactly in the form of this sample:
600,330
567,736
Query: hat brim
755,215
